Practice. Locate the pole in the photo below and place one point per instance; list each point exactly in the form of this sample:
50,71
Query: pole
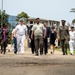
1,13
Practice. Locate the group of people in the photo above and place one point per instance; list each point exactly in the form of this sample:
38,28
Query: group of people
40,35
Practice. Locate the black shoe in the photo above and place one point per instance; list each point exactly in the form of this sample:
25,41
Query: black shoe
63,53
32,52
4,53
45,53
41,53
36,54
71,54
15,52
51,53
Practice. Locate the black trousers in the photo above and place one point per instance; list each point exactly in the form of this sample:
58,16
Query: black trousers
64,47
3,47
32,46
45,46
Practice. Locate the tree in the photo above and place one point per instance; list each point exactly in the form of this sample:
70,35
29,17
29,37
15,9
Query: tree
3,17
73,21
22,15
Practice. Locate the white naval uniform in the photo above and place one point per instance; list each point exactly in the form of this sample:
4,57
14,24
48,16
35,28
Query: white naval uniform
21,31
72,41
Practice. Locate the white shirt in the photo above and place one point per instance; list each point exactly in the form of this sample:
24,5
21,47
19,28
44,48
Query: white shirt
21,29
72,35
13,32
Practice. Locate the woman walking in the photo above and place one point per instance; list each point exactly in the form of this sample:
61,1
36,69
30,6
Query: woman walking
52,40
5,36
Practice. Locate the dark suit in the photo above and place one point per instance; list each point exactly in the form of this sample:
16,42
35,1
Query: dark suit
64,36
48,32
32,41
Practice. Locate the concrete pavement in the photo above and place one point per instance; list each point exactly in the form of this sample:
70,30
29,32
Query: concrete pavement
29,64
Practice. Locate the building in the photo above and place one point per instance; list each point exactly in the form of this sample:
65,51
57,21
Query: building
12,20
50,23
31,21
54,23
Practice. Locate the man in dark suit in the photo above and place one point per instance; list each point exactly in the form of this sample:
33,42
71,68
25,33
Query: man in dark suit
32,41
48,32
64,36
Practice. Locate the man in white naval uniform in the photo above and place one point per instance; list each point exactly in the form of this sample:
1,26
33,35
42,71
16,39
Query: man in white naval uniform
72,40
21,30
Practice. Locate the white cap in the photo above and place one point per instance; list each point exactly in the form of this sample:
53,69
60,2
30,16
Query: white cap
21,19
72,26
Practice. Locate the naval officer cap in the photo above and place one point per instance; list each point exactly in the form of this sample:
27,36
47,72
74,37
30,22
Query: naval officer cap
21,20
72,26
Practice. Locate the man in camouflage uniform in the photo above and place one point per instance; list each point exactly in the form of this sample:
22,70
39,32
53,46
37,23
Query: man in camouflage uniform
64,36
38,31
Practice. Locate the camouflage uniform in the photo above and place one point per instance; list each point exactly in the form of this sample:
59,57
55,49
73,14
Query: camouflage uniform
64,38
38,37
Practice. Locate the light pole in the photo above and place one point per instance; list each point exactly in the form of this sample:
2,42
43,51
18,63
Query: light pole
73,10
1,13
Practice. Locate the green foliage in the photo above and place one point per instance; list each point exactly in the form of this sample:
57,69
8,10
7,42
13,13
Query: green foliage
22,15
10,41
3,17
68,50
73,21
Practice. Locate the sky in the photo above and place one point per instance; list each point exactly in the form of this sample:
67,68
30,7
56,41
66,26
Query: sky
46,9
